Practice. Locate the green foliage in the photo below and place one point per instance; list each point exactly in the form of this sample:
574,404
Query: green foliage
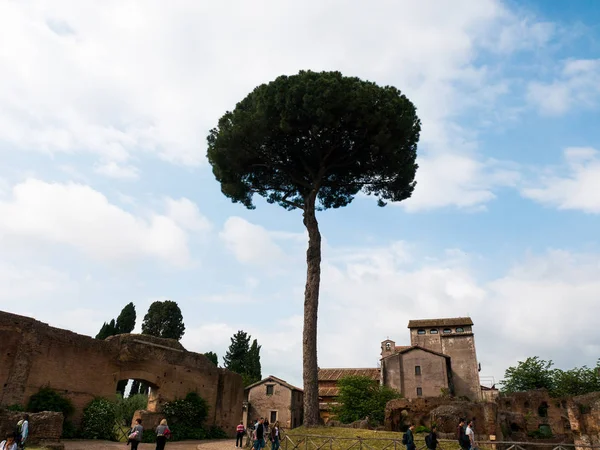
47,399
15,407
125,408
186,417
126,320
253,367
536,373
216,432
543,432
164,319
99,418
149,436
317,131
212,356
244,359
533,373
108,329
422,429
361,396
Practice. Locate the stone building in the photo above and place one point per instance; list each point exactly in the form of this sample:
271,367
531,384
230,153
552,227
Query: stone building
275,400
441,360
328,388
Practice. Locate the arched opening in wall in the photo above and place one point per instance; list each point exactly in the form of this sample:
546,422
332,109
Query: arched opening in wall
515,428
543,409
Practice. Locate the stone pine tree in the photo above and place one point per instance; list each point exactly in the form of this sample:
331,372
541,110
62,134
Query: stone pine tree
126,320
164,319
237,355
313,141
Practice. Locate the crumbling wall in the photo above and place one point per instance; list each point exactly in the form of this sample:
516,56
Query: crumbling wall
44,426
81,368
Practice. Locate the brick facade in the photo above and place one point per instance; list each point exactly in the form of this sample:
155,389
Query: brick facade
81,368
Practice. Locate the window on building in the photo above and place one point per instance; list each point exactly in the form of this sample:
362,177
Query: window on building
420,331
419,392
270,389
417,370
460,330
273,417
388,346
447,330
433,331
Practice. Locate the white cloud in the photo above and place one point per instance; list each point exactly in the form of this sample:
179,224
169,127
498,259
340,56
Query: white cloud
576,86
575,187
132,80
458,181
76,215
186,214
250,243
113,170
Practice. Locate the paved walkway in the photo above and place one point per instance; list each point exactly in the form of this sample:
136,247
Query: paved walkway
223,444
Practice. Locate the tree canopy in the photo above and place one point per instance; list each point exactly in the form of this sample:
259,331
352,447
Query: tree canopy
536,373
212,356
164,319
361,396
126,320
243,358
314,141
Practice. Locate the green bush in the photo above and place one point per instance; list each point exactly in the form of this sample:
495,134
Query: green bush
69,430
421,429
126,407
99,418
15,407
47,399
186,417
149,436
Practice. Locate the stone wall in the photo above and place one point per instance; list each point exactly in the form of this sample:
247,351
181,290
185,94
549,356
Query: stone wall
517,417
285,402
44,426
81,368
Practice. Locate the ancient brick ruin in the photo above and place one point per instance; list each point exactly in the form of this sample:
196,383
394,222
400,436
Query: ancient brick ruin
520,417
34,354
44,427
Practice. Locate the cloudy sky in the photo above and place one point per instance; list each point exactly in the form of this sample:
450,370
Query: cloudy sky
106,196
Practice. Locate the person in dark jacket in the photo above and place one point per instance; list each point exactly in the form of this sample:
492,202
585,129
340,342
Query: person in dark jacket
259,440
461,436
431,440
410,437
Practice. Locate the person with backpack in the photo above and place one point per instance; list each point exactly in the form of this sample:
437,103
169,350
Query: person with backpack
135,437
409,438
22,431
9,443
431,440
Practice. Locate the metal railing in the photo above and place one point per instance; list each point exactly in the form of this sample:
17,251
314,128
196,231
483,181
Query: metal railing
317,442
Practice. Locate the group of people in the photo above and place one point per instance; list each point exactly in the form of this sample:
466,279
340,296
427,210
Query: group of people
15,440
137,432
260,430
465,435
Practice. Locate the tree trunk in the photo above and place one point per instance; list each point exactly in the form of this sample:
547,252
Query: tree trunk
311,304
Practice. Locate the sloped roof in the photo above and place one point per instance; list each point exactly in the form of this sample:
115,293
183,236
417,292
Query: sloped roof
399,348
336,374
329,392
276,380
450,322
417,347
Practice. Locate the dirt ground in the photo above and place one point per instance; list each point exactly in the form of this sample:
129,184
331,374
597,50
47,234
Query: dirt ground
225,444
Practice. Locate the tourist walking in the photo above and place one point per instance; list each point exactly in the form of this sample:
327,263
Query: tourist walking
135,437
431,440
274,436
409,438
239,437
259,435
9,443
461,436
22,431
162,434
471,434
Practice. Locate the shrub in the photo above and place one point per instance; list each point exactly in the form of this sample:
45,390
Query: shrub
215,432
126,407
47,399
421,429
149,436
69,430
186,417
15,407
99,418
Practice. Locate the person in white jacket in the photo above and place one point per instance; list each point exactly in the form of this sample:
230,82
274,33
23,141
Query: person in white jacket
23,427
10,443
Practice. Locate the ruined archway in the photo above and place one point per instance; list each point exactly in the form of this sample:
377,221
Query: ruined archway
147,379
